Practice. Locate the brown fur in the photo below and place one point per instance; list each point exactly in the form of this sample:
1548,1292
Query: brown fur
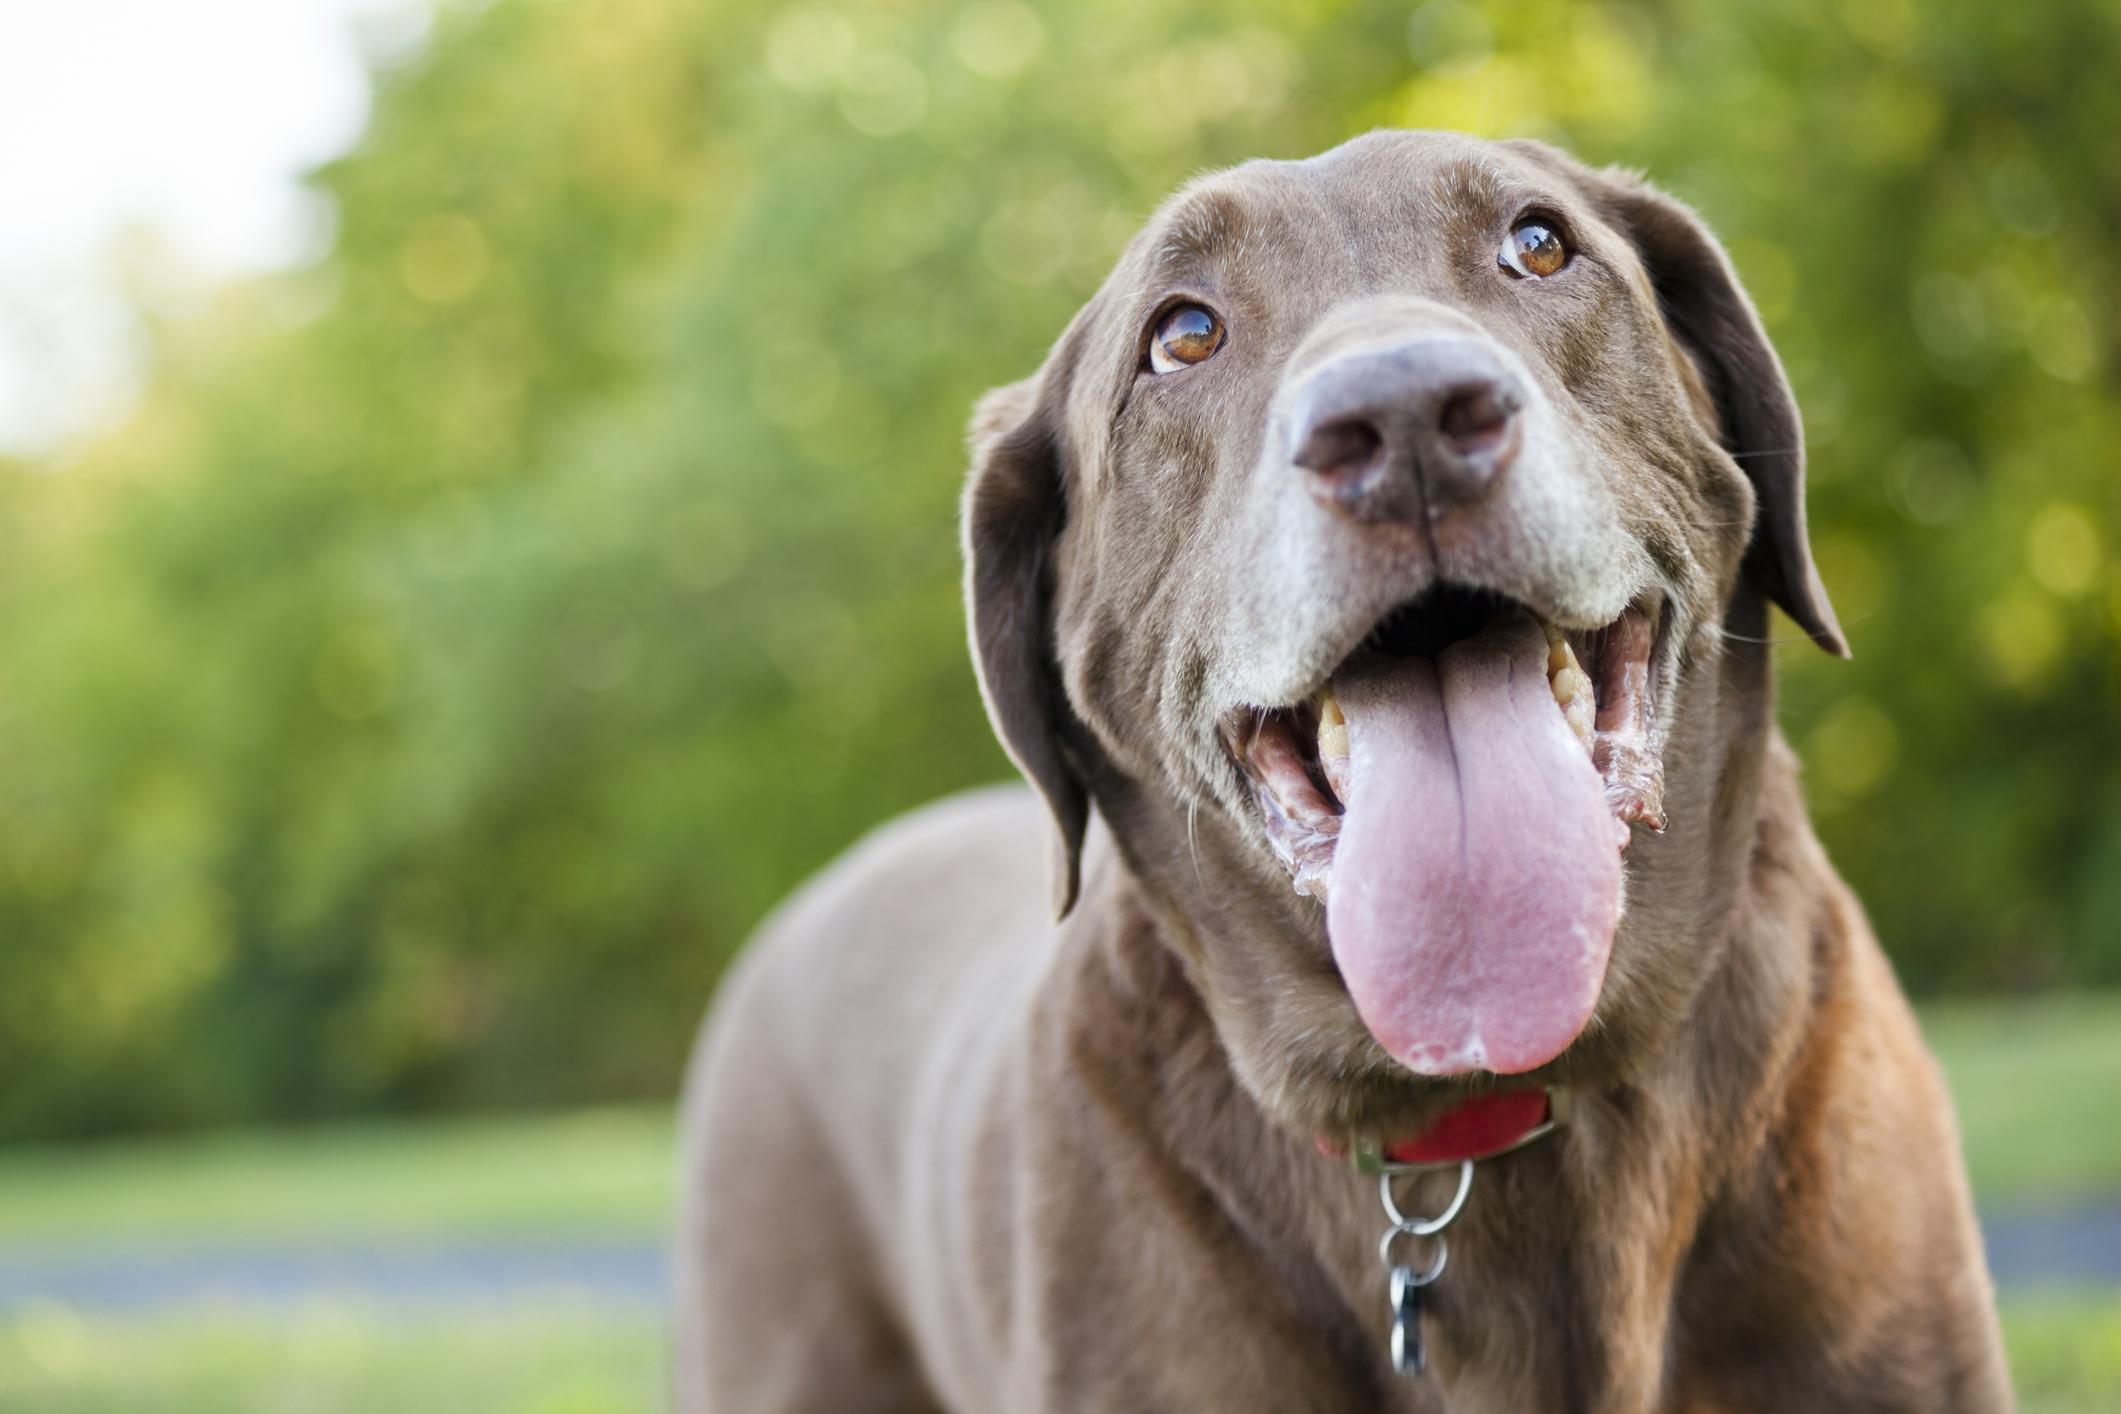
945,1153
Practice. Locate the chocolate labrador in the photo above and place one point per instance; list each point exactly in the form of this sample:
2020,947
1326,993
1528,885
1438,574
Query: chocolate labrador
1450,1007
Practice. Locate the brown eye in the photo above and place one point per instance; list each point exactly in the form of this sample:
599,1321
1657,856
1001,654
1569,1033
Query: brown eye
1533,250
1187,334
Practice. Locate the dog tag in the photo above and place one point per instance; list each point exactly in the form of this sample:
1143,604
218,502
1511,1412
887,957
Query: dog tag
1408,1355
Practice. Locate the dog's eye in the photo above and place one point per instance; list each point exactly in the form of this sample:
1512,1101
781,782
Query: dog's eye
1532,251
1187,334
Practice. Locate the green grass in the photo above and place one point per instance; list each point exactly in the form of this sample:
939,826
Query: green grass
327,1357
605,1172
2035,1084
332,1357
2065,1351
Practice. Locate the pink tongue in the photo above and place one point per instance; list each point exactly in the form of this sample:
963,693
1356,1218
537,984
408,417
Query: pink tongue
1476,884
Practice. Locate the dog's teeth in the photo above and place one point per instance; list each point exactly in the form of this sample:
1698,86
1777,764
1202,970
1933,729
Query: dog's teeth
1582,718
1332,727
1561,660
1558,654
1572,692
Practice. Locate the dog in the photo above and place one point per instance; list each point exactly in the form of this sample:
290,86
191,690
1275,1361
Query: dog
1372,586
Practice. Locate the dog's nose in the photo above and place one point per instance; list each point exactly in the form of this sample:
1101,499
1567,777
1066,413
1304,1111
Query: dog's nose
1415,429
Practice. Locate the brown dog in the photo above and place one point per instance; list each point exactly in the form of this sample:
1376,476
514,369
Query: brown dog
1384,554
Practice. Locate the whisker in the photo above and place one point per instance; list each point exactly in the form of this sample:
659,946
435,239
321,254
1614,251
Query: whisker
1765,642
1193,838
1772,642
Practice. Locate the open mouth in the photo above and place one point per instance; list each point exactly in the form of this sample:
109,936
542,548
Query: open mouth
1458,794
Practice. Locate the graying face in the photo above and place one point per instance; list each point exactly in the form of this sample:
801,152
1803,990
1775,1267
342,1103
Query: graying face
1373,493
1319,272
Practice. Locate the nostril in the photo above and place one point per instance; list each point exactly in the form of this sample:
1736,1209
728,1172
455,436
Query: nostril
1405,431
1332,446
1476,419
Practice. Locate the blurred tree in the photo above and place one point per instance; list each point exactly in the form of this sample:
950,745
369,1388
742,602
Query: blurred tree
466,639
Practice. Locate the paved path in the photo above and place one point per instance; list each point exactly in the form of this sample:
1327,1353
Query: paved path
396,1272
2068,1246
2075,1247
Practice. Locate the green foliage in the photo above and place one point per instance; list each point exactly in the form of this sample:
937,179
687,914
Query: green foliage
467,639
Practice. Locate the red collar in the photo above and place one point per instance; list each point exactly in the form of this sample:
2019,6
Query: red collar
1480,1128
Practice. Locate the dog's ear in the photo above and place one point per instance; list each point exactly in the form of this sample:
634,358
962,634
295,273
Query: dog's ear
1013,512
1713,320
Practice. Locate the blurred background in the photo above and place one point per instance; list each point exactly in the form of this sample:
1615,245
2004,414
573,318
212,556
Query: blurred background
476,526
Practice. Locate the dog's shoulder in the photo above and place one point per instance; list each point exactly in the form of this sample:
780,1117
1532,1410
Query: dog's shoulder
973,858
950,887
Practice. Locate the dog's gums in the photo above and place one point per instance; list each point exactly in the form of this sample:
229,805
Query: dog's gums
1296,759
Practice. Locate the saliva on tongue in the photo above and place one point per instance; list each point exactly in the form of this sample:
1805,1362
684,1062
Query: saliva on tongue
1476,885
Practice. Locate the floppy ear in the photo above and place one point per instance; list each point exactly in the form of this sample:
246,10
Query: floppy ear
1714,321
1013,512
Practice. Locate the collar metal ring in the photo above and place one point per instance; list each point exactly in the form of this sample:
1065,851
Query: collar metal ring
1423,1278
1426,1227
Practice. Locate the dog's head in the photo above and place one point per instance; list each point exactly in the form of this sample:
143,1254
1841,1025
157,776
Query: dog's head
1377,549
